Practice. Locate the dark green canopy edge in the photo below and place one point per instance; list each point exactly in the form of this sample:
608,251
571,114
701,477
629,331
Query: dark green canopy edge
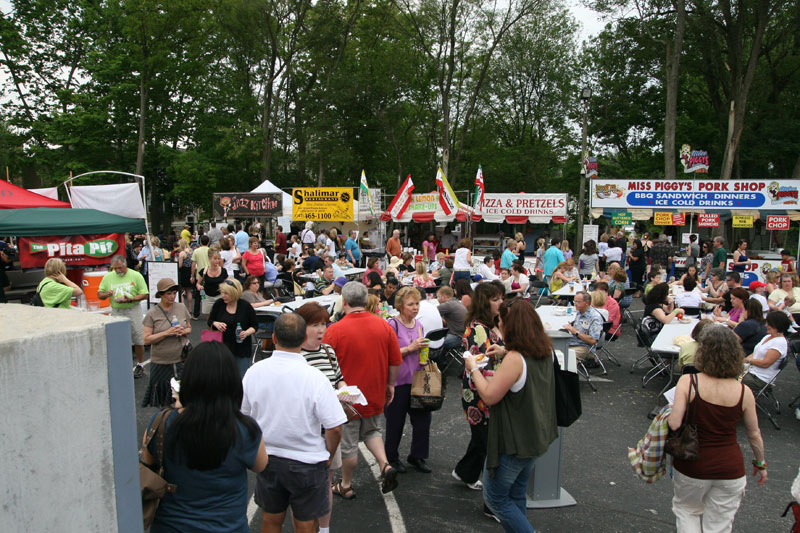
43,221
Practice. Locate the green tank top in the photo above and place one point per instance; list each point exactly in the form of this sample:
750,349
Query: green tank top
523,423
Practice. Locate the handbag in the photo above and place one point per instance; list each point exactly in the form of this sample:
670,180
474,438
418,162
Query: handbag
349,409
428,388
187,346
568,395
683,443
209,335
153,484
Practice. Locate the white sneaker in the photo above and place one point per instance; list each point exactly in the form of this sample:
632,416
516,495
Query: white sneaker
796,414
456,476
476,486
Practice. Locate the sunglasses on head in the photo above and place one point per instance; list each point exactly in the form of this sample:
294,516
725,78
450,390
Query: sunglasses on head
229,282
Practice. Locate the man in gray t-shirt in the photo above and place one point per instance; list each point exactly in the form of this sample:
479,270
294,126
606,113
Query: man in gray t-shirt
453,314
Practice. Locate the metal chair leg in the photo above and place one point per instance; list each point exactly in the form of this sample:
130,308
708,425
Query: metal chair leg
585,373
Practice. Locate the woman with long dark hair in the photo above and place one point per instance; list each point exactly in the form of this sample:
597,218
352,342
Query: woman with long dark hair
482,338
521,396
209,446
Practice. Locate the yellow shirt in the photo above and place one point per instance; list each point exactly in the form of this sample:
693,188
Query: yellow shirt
186,236
200,256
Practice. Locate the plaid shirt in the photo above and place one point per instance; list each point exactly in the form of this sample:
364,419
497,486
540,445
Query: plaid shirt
648,458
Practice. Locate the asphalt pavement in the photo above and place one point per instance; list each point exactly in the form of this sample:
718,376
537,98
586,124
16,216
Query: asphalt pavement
596,472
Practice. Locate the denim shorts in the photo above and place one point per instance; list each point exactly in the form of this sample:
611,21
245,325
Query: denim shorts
303,486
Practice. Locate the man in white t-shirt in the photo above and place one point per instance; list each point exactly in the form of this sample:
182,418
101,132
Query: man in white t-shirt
613,253
291,400
689,297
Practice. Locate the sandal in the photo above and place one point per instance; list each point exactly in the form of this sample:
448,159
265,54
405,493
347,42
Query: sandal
346,493
388,478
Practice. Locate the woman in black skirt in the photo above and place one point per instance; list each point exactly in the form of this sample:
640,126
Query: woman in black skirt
166,330
185,272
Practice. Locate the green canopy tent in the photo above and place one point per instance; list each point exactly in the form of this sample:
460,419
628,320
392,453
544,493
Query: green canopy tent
43,221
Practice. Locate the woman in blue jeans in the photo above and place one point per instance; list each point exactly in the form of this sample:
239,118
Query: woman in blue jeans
522,421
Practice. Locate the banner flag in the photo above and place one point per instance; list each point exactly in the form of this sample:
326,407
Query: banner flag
479,191
447,198
364,190
401,199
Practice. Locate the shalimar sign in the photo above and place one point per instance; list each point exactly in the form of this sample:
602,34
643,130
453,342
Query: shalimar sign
74,250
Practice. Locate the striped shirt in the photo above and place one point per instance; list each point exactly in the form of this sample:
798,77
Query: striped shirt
319,360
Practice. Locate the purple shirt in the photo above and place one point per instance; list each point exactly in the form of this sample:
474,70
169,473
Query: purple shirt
410,360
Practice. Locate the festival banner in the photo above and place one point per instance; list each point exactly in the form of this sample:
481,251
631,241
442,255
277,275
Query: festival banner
322,204
400,201
447,198
521,207
686,194
708,220
742,221
235,204
74,250
364,195
480,190
590,164
778,222
693,160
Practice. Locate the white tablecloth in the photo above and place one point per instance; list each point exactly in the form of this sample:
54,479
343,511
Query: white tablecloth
663,342
564,291
349,273
324,301
551,320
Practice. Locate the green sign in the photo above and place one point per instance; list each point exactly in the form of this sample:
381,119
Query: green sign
622,219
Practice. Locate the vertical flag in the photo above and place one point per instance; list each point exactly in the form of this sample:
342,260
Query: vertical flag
479,190
364,189
400,201
447,198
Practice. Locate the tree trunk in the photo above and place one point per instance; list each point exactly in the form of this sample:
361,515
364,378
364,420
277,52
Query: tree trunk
673,60
796,172
266,124
144,90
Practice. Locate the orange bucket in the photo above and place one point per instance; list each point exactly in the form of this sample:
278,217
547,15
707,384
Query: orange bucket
91,284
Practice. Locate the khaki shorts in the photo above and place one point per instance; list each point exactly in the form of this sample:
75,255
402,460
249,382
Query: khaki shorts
207,304
359,430
135,315
336,463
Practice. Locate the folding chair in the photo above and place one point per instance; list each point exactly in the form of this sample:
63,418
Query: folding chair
583,371
600,347
541,288
692,311
654,358
442,355
767,395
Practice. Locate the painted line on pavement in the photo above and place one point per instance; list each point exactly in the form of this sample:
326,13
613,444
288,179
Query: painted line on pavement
252,509
395,516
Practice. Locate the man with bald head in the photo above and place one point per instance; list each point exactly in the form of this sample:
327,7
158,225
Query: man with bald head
393,246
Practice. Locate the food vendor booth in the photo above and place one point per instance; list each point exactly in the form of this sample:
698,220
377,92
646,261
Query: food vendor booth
714,202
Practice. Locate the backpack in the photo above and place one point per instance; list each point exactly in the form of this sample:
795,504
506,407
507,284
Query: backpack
36,301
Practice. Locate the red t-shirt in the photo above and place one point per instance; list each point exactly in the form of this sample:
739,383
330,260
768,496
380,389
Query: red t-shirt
280,243
366,346
254,263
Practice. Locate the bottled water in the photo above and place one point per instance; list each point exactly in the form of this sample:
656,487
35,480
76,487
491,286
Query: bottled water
238,331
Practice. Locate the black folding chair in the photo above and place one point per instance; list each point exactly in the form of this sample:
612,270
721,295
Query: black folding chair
692,311
442,356
600,347
542,289
767,394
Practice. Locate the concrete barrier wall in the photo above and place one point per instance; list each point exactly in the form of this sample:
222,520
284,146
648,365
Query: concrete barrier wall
68,430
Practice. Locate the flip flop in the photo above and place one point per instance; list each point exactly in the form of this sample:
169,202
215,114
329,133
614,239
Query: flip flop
339,490
388,478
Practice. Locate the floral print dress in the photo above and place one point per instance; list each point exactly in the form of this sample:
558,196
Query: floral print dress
477,338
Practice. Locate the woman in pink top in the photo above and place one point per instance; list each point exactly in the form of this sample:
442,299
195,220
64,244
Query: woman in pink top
429,247
371,267
253,260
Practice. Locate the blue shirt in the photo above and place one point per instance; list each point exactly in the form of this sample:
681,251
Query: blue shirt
352,246
207,500
270,272
552,257
337,271
589,323
507,258
242,240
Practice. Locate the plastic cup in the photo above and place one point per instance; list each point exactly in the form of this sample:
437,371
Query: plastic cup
571,286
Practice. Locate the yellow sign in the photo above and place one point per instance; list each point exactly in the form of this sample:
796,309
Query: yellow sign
323,204
742,221
663,218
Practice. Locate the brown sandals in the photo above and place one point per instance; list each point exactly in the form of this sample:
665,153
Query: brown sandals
388,478
346,493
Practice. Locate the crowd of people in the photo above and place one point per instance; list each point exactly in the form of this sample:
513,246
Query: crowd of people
291,417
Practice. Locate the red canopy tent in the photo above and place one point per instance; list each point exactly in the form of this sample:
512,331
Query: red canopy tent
14,197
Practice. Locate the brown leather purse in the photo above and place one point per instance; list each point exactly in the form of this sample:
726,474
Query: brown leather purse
683,442
152,482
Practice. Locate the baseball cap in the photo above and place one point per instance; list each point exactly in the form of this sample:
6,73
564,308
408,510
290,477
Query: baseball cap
340,281
756,284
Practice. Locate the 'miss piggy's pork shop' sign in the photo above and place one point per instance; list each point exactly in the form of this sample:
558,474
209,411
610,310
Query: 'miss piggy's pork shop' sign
74,250
697,194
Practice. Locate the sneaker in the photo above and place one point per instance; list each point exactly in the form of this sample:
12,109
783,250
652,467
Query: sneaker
456,476
138,371
476,486
489,514
797,413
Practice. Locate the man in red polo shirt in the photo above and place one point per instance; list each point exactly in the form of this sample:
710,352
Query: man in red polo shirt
369,357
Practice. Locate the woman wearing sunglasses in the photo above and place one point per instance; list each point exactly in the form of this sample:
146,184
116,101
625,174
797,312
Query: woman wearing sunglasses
237,321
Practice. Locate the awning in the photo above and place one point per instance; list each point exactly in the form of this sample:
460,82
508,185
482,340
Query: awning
14,197
426,208
42,221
